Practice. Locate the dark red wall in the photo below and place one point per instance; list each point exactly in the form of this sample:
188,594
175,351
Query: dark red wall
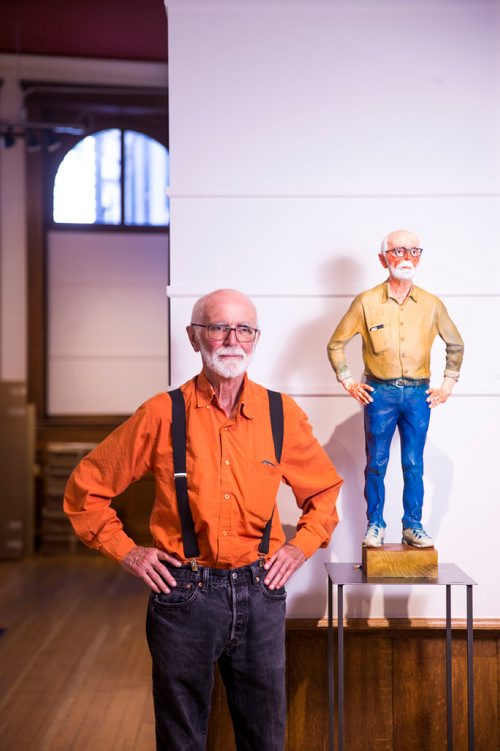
123,29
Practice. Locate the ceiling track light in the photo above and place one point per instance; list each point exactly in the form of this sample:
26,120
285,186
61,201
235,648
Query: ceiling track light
7,139
52,142
33,143
37,135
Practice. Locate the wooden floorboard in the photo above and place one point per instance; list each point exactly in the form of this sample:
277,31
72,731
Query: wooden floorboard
75,669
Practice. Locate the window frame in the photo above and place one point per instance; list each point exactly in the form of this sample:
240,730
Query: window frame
141,109
54,168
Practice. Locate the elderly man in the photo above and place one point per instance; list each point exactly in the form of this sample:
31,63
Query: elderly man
218,447
398,323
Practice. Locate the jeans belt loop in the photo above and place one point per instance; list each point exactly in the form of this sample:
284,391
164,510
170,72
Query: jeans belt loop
257,571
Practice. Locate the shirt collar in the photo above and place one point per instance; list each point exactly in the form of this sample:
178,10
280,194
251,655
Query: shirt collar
205,394
386,295
204,390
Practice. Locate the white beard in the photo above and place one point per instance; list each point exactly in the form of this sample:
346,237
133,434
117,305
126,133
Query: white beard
403,272
226,368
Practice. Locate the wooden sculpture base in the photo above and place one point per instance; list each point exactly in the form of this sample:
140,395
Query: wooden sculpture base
394,560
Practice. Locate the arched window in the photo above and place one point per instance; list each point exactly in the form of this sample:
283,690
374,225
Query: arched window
114,177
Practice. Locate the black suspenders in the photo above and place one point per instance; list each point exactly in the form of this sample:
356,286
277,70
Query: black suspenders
277,427
191,549
190,544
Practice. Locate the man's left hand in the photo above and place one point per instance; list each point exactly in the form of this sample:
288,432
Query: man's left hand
436,396
282,564
439,396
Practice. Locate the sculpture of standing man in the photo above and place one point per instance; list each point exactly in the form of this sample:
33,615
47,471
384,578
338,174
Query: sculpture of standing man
398,323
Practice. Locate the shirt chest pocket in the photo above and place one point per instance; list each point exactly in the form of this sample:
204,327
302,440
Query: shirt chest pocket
262,487
378,332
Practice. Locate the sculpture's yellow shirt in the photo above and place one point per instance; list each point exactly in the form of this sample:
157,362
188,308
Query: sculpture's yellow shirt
397,339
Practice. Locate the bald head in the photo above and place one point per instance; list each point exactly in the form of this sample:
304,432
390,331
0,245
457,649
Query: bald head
399,238
221,305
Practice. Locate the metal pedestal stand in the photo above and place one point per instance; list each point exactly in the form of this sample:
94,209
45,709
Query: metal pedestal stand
449,575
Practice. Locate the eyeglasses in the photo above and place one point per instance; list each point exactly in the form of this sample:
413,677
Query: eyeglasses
218,332
401,252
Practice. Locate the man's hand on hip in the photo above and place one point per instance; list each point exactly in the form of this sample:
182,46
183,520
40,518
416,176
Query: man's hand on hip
358,391
282,564
146,563
441,395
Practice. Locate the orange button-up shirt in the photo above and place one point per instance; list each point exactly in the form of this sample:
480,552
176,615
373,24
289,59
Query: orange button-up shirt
232,475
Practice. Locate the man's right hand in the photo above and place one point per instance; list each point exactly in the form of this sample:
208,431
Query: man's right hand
146,563
359,391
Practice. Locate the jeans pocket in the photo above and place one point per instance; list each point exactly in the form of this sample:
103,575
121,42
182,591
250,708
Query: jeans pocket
182,594
272,594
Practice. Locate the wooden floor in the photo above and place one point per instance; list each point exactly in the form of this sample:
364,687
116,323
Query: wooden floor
74,664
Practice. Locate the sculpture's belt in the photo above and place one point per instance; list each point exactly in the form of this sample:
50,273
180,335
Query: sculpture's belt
400,382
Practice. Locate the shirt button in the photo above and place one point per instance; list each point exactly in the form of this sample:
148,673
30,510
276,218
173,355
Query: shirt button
402,338
208,406
227,462
401,323
403,354
224,532
405,372
226,496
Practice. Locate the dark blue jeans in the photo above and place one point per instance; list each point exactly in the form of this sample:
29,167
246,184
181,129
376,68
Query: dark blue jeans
405,407
224,616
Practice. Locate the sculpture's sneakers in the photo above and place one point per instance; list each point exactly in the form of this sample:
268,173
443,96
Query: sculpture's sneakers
417,537
374,537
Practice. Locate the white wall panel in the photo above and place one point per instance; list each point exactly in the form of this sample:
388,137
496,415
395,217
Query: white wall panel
330,245
339,97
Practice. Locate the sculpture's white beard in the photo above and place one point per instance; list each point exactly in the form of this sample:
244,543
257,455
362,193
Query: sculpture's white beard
226,368
403,271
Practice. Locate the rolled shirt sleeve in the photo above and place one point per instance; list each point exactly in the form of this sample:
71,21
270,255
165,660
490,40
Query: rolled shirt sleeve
348,327
313,479
453,341
104,473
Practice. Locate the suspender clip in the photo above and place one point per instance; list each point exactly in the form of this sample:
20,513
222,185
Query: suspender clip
194,564
262,560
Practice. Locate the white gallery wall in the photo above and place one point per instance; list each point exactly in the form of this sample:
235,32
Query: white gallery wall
300,134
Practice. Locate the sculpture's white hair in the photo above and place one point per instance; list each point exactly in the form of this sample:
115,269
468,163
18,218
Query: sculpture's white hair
384,243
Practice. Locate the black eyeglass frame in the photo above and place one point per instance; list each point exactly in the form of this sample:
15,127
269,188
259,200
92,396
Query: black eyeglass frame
396,252
226,330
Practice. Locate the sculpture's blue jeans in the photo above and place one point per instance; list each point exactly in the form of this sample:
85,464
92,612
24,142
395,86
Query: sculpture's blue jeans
224,616
405,407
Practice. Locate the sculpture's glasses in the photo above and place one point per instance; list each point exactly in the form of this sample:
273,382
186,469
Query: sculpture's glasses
218,332
401,252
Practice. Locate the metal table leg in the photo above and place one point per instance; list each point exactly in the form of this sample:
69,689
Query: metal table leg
449,681
330,665
340,667
470,674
